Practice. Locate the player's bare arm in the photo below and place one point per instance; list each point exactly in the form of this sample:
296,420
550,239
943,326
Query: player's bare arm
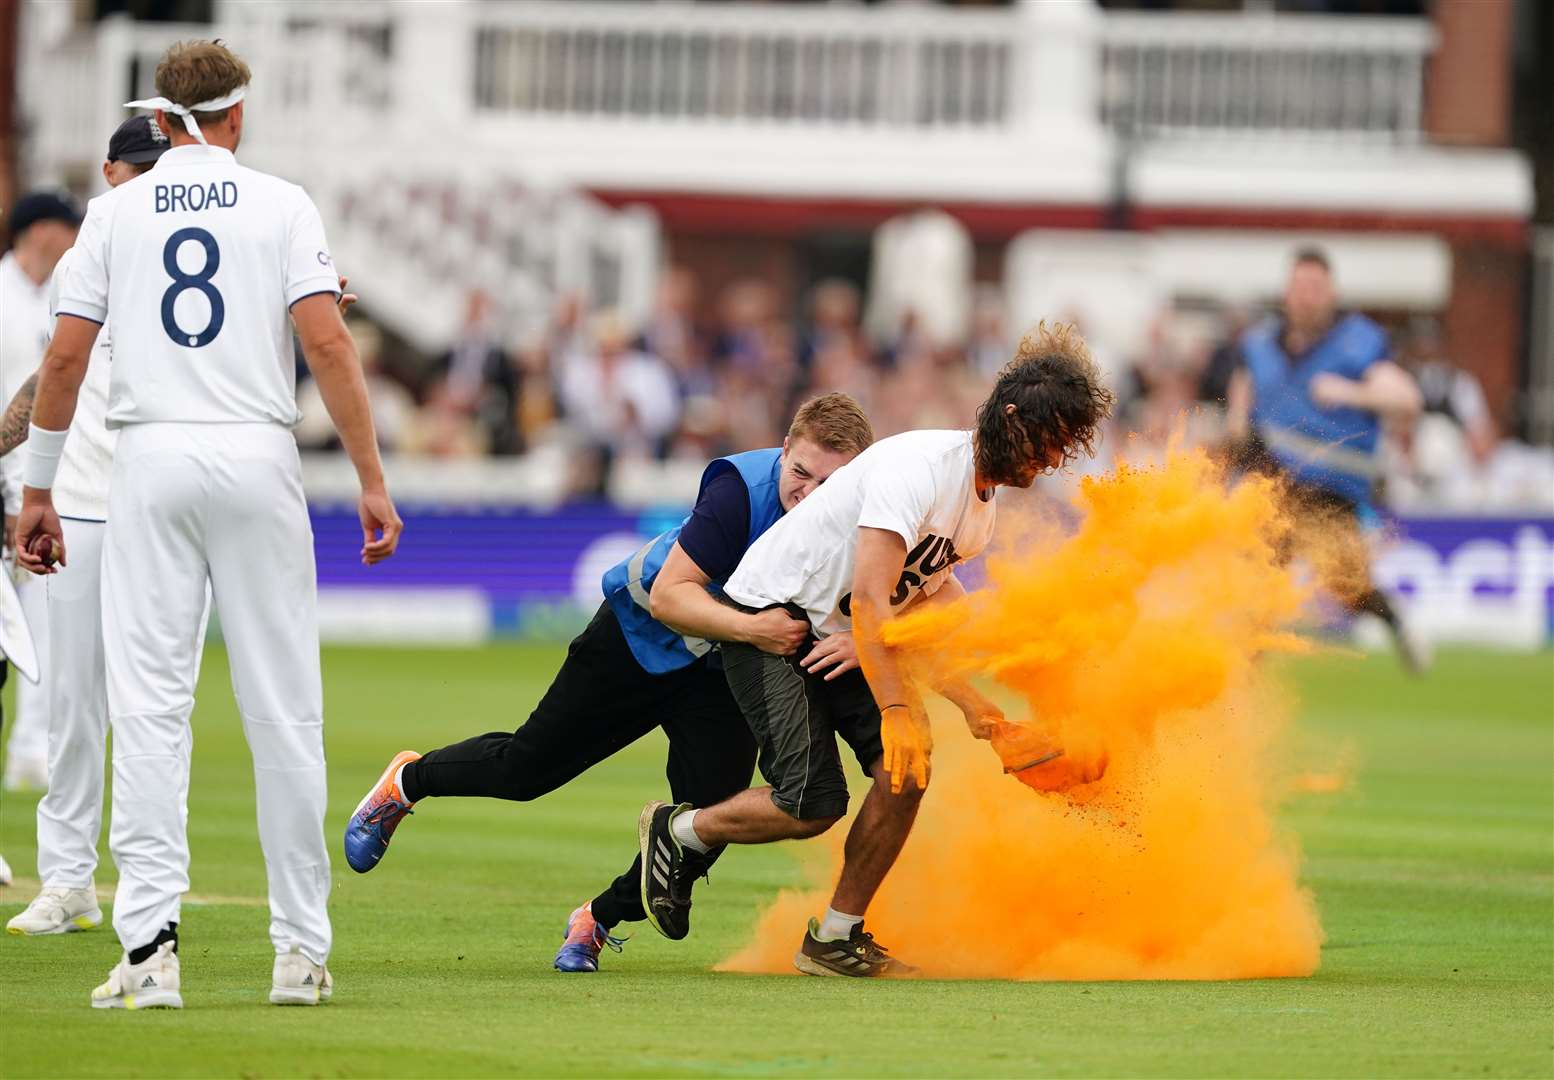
59,382
903,724
331,355
1020,747
1386,390
983,717
18,414
59,376
680,601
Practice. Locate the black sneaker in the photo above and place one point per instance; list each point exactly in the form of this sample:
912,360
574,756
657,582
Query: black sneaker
693,865
858,955
668,871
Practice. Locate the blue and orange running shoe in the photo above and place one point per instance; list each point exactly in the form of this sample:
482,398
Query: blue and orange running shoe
368,832
585,940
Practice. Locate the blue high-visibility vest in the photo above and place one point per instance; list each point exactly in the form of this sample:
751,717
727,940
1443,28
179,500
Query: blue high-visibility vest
627,585
1328,448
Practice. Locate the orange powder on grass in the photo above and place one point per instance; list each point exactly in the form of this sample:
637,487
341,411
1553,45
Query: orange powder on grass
1134,642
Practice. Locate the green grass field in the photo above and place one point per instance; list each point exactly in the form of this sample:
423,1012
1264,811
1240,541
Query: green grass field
1434,872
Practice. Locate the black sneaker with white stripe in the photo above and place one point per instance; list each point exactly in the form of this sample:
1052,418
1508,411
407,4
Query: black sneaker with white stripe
857,955
668,871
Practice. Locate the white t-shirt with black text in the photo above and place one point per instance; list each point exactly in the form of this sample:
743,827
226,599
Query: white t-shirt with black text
920,485
199,260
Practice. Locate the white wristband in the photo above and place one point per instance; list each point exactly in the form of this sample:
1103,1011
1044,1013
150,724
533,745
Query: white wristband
44,448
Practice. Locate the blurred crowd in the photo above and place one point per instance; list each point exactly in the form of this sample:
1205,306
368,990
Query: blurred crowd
683,385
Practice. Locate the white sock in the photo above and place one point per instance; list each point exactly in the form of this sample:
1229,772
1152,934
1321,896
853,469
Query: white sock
399,778
837,925
685,832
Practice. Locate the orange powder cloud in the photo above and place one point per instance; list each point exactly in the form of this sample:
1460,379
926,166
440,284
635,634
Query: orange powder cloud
1134,642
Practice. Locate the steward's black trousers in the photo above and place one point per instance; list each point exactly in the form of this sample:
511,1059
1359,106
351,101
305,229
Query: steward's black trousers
600,702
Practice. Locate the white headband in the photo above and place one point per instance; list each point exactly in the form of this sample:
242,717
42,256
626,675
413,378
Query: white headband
188,111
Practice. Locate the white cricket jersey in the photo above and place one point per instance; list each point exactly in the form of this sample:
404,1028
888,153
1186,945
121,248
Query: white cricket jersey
920,485
200,260
24,335
81,485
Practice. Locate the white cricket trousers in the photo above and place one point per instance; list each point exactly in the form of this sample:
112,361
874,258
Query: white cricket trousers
29,729
70,814
223,503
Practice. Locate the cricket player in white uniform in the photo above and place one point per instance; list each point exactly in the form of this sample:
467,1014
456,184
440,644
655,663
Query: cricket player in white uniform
70,812
885,531
197,264
43,226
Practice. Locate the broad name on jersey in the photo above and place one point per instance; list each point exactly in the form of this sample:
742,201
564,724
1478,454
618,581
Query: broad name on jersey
195,196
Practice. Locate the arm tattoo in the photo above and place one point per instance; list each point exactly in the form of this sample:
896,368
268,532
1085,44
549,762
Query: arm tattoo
18,414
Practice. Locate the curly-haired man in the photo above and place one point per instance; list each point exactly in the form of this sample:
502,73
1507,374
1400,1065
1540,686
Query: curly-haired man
884,532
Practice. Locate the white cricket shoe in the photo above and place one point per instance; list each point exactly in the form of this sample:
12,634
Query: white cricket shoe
299,981
5,871
150,985
58,911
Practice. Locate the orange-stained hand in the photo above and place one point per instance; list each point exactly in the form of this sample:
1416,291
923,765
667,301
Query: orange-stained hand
1034,758
1020,745
38,520
908,746
380,526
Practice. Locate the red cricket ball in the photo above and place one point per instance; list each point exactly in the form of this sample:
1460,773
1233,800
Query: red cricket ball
43,548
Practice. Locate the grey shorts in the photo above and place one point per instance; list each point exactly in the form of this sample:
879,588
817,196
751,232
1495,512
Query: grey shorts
796,718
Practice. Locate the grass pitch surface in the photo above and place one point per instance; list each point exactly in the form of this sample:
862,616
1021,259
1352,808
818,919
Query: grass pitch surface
1433,868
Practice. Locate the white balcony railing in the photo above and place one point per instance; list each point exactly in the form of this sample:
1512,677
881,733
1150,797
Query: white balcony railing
753,64
1289,76
1161,74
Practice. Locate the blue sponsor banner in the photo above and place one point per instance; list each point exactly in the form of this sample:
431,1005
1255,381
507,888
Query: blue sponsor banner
535,573
1483,580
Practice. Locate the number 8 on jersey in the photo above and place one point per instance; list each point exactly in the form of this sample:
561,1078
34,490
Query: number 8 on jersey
183,282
